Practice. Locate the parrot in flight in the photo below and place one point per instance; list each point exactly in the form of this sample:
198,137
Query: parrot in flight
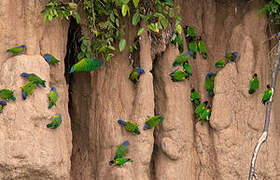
7,94
56,121
254,84
33,77
182,58
51,59
152,122
53,97
220,63
17,50
2,104
195,97
267,94
209,83
27,89
130,126
178,75
135,74
86,65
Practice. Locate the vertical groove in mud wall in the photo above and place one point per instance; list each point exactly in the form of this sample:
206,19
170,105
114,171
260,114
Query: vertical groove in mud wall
79,84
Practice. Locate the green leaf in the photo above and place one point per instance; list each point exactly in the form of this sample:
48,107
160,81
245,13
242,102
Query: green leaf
125,9
125,1
179,28
72,5
122,44
140,31
45,18
135,2
164,22
278,1
78,19
171,13
135,19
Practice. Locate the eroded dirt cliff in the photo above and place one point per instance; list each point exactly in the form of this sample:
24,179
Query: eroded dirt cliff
179,148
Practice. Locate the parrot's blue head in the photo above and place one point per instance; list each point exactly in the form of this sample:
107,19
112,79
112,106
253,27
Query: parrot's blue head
72,70
235,54
190,53
3,103
140,71
47,58
23,47
146,126
210,75
121,122
125,143
24,75
58,114
53,89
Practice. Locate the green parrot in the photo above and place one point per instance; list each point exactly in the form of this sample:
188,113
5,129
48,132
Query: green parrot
33,77
187,69
53,97
178,75
2,104
152,122
193,47
27,89
209,83
200,108
135,74
189,32
56,121
120,161
51,59
254,84
195,97
7,94
177,40
205,114
130,126
121,150
17,50
182,58
220,63
231,56
86,65
202,47
267,94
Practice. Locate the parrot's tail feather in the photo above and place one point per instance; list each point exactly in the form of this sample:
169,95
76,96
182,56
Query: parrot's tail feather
13,98
50,106
49,125
174,64
251,91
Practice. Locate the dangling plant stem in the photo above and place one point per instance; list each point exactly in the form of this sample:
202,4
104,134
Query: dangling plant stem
263,137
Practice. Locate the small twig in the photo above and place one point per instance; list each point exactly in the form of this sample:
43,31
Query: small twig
262,139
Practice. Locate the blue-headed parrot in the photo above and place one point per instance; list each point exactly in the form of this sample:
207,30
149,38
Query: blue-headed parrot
53,97
130,126
187,69
231,56
135,74
33,77
86,65
202,47
51,59
56,121
220,63
17,50
178,75
121,150
152,121
7,94
27,89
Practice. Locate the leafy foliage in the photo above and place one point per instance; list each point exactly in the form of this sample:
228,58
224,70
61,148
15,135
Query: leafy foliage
273,10
105,20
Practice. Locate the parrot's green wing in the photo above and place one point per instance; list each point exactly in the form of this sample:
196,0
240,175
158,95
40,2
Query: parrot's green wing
16,50
28,89
154,120
56,121
7,94
193,48
190,32
254,85
134,76
267,95
53,97
52,59
132,127
220,63
209,85
33,77
205,115
121,161
199,109
121,151
181,59
194,95
202,49
1,108
86,64
188,68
